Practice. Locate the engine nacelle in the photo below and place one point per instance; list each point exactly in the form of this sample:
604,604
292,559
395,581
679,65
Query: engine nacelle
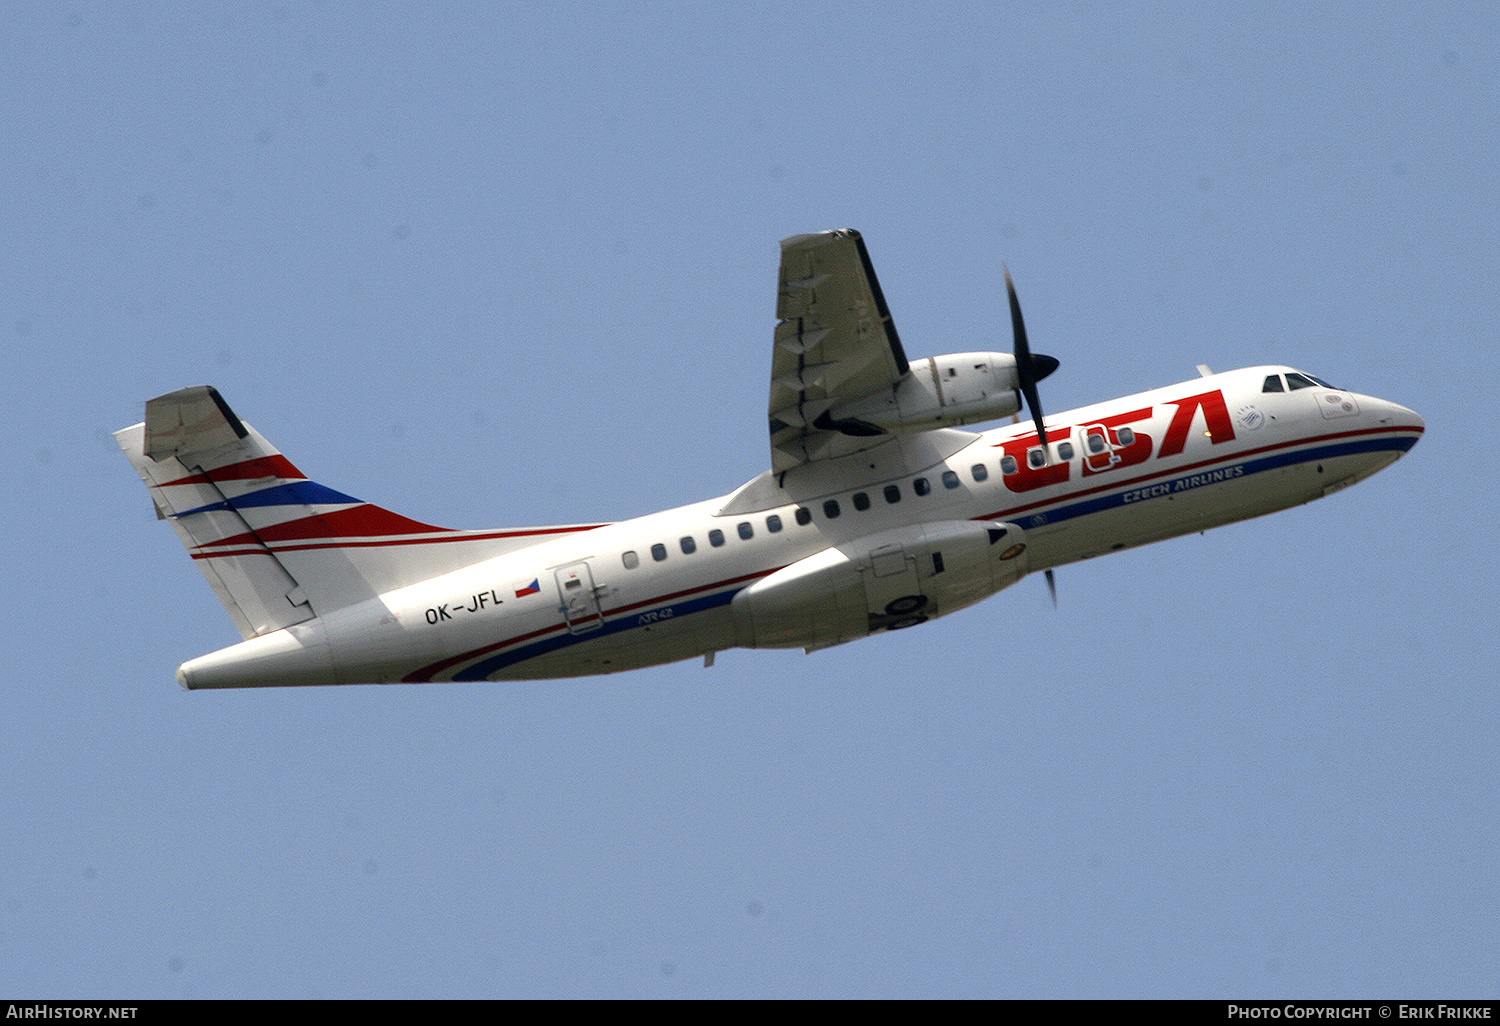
941,391
884,581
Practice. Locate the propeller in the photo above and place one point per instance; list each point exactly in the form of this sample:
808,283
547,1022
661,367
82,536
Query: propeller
1029,369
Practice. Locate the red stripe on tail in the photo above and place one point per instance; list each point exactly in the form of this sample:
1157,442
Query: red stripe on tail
249,470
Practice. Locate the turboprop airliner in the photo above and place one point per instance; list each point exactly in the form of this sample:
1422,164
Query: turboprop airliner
879,511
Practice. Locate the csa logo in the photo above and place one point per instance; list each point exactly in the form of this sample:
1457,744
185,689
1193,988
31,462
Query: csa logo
1249,416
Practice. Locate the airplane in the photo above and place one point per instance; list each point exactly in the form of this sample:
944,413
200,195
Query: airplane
879,511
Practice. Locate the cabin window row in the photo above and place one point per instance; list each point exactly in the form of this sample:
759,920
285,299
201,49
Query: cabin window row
891,493
688,544
1095,442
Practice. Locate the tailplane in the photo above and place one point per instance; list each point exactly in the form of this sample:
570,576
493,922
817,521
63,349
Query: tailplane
278,548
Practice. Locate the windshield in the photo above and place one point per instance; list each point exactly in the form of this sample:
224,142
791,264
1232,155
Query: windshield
1294,381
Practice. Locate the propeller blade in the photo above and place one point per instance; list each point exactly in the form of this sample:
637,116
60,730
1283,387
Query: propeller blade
1052,587
1029,369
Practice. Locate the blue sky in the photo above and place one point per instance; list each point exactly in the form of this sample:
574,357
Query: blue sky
500,265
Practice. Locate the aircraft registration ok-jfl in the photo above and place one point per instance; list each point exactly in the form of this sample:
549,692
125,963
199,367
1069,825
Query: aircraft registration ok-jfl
878,511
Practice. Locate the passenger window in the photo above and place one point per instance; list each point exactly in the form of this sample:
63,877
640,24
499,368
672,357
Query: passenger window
716,537
1126,436
746,531
831,508
1035,458
1273,383
804,516
1097,443
981,472
1295,381
631,560
861,501
950,479
773,523
688,545
921,485
892,493
658,552
1064,451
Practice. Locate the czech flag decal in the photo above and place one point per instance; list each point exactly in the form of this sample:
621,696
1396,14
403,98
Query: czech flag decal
529,589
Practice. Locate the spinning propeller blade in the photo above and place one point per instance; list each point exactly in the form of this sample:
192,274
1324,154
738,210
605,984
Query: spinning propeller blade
1029,369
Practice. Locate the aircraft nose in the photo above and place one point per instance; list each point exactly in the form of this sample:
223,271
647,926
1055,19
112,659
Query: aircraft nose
1400,416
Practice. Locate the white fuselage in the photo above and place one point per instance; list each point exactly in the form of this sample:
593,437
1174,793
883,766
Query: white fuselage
938,521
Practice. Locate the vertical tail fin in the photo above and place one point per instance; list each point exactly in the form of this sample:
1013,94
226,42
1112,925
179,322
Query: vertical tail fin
194,453
276,547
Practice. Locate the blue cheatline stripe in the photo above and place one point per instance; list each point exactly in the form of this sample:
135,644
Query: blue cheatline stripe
485,667
296,493
1207,476
661,615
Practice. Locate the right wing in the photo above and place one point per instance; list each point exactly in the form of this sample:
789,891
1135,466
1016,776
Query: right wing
834,342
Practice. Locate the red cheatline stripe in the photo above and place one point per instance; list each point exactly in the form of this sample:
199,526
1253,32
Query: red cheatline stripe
426,673
261,466
336,540
361,521
1227,457
673,596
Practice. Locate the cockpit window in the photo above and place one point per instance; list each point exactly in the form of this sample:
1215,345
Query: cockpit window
1273,383
1324,383
1295,381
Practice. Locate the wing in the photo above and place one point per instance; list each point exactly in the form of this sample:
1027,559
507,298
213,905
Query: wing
834,342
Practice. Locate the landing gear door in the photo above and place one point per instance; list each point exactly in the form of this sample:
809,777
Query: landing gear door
579,598
893,591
